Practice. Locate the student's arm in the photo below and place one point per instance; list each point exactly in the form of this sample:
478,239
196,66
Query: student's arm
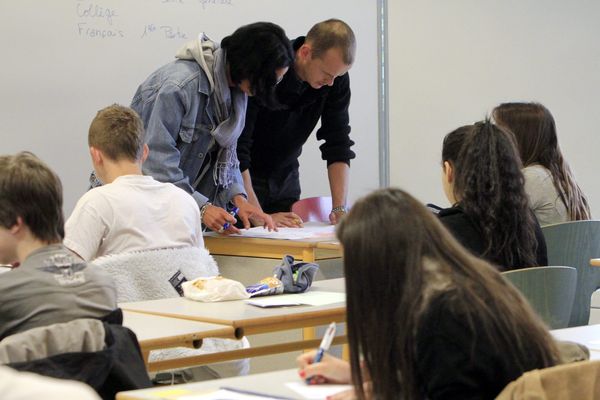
339,175
85,229
335,131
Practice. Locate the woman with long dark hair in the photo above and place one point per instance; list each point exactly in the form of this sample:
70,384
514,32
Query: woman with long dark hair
426,319
553,193
490,213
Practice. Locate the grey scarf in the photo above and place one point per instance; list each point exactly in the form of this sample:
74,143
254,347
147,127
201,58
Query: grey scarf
229,104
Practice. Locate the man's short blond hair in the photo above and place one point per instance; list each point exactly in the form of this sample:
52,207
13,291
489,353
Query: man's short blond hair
332,34
118,132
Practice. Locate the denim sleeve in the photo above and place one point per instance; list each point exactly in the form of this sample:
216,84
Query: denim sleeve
162,132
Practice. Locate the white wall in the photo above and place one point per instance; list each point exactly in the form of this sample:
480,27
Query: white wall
56,71
451,62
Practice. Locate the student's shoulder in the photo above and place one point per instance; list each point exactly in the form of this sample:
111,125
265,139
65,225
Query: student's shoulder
537,172
453,216
97,195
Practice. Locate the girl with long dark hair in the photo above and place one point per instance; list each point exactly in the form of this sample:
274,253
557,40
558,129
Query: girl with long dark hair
426,319
490,214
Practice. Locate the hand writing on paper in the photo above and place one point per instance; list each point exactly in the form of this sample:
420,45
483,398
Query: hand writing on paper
329,370
216,217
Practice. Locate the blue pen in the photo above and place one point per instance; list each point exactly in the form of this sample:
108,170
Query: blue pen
324,346
233,212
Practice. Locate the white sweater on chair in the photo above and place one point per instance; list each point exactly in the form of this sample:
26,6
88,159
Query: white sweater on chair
145,275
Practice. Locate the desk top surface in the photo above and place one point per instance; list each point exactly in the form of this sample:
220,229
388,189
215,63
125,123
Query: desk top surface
271,383
148,327
238,313
588,335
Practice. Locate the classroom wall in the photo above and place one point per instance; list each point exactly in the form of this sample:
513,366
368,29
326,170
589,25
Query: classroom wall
64,60
451,62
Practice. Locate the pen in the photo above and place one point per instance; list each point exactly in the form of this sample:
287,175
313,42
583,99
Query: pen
233,211
324,346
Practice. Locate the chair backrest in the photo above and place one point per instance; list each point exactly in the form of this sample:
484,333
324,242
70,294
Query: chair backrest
313,208
549,290
573,381
574,244
146,275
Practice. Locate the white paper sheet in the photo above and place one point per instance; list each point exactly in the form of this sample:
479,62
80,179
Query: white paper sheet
313,298
316,391
310,230
224,394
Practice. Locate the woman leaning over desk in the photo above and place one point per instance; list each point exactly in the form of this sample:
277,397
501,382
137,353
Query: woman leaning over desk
426,319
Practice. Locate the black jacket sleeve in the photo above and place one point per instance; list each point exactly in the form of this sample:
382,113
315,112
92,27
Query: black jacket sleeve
335,127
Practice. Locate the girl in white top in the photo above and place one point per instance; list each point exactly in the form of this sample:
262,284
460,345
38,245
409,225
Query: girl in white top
553,193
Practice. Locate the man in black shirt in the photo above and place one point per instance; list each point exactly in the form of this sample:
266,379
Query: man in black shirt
317,87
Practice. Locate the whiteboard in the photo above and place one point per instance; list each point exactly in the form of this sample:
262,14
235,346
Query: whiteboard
452,62
63,60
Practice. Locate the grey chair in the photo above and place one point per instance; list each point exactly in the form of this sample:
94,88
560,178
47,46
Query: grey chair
574,244
549,290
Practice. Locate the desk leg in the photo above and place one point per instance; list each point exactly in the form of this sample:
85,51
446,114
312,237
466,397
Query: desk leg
345,347
308,255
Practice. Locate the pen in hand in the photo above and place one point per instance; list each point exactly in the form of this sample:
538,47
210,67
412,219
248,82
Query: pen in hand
233,212
325,344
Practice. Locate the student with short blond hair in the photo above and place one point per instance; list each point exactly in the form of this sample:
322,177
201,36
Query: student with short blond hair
120,223
130,212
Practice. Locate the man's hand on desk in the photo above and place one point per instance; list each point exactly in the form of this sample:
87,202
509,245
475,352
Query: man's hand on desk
287,219
247,211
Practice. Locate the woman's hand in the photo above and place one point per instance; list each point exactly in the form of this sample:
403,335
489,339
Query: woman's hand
329,370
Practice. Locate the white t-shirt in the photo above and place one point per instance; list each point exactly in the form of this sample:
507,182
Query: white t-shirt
133,213
543,196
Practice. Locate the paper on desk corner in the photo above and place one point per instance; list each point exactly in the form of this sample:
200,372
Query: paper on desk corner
316,391
312,298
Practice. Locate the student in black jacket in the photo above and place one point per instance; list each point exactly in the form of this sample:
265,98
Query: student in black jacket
491,216
425,318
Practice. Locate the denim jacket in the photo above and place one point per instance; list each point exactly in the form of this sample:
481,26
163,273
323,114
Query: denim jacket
175,106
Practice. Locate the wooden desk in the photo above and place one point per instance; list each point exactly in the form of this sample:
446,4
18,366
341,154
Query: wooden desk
308,250
157,332
588,335
595,262
271,383
247,320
